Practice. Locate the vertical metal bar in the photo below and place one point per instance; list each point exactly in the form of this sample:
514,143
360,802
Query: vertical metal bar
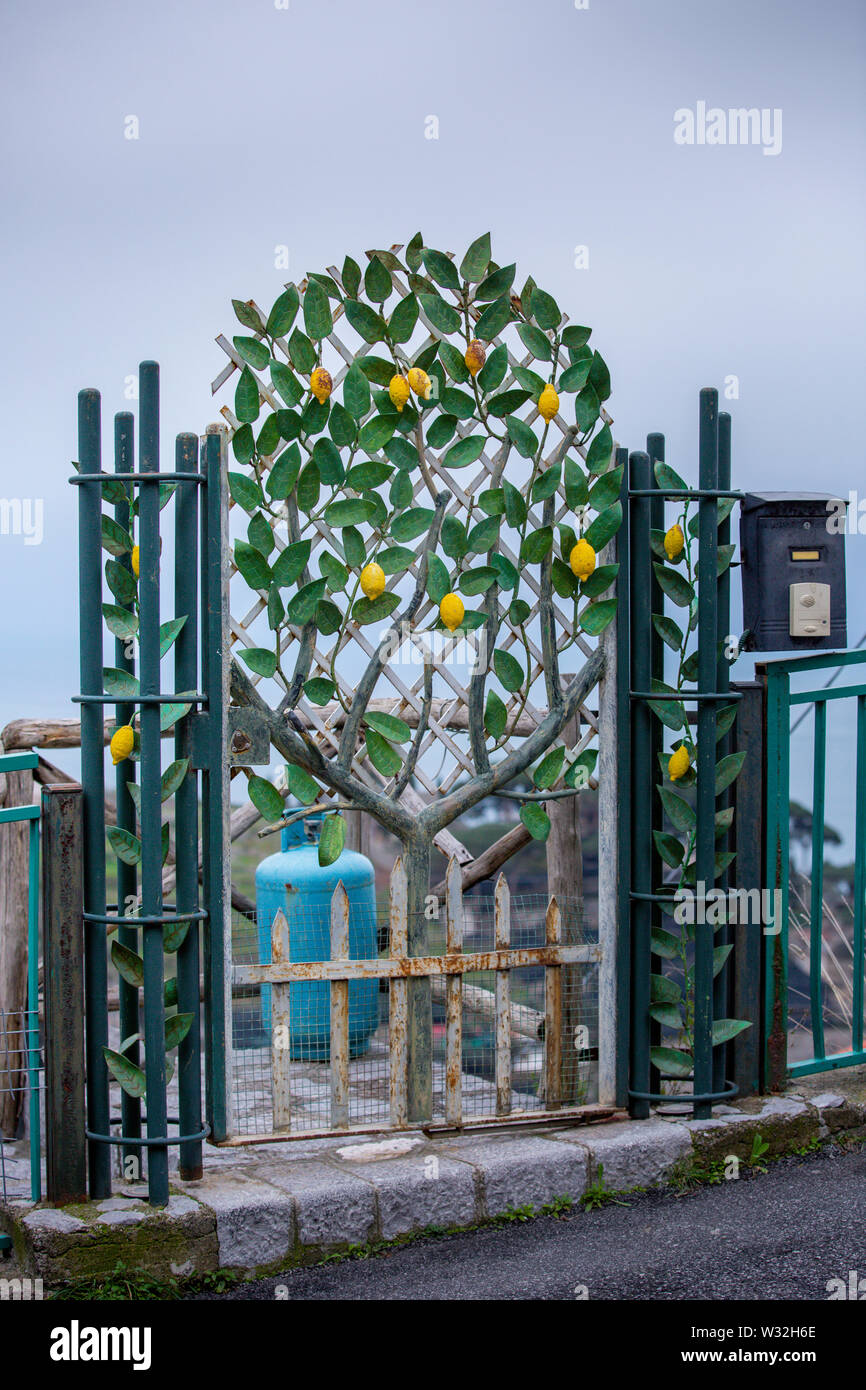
502,994
151,799
723,935
705,841
216,856
816,912
340,1012
127,878
778,862
65,1145
642,781
186,504
93,785
655,447
552,1011
33,1011
281,1070
859,877
453,995
623,783
749,843
398,1000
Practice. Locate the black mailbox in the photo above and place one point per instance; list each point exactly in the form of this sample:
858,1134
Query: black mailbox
792,549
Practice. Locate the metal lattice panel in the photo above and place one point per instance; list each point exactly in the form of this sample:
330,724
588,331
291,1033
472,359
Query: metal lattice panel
400,680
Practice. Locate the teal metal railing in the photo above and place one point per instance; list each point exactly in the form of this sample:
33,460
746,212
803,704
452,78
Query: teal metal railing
780,702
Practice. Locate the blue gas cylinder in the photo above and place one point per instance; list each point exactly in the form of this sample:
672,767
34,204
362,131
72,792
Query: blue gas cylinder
294,880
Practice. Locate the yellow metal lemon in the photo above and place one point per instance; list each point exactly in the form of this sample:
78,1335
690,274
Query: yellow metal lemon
135,560
674,542
582,559
451,611
321,384
398,390
475,356
679,763
373,580
122,741
420,383
548,402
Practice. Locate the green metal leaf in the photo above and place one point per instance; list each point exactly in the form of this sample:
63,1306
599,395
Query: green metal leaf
412,523
382,754
129,965
474,265
535,819
130,1077
493,372
247,398
402,322
663,990
365,321
440,314
125,845
168,633
671,1061
301,607
282,315
290,563
675,585
373,610
120,621
253,351
536,545
477,581
441,268
508,670
667,1014
393,560
248,315
319,690
176,1029
521,436
497,284
121,581
668,630
317,312
726,1028
349,511
495,715
545,309
332,838
549,770
172,778
596,616
389,726
678,811
301,785
253,566
115,538
265,798
727,770
286,383
670,849
599,453
453,537
535,342
664,944
604,527
599,581
119,683
375,434
438,579
259,659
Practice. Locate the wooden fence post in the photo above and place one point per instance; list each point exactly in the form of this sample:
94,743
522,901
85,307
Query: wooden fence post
14,890
565,883
66,1148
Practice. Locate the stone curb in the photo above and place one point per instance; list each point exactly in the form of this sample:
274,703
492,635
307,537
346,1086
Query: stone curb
259,1210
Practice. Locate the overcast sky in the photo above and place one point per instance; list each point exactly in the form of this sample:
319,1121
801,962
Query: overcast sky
306,127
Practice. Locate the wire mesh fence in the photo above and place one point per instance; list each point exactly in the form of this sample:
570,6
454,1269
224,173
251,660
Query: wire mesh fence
21,1087
300,1020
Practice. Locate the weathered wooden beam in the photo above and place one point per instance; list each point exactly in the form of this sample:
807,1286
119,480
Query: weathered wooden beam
66,1148
564,853
486,865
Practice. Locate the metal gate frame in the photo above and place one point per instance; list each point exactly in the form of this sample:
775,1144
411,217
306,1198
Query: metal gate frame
780,701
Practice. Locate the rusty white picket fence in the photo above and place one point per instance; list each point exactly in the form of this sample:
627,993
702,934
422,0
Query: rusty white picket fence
446,973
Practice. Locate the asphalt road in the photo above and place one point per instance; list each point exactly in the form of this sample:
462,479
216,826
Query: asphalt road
781,1235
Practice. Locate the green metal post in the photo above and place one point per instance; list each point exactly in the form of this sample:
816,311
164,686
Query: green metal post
93,783
127,878
706,750
723,937
655,445
641,779
623,706
749,843
151,801
186,804
778,860
217,1015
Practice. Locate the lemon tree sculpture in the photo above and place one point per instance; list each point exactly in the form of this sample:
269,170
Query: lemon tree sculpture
436,495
